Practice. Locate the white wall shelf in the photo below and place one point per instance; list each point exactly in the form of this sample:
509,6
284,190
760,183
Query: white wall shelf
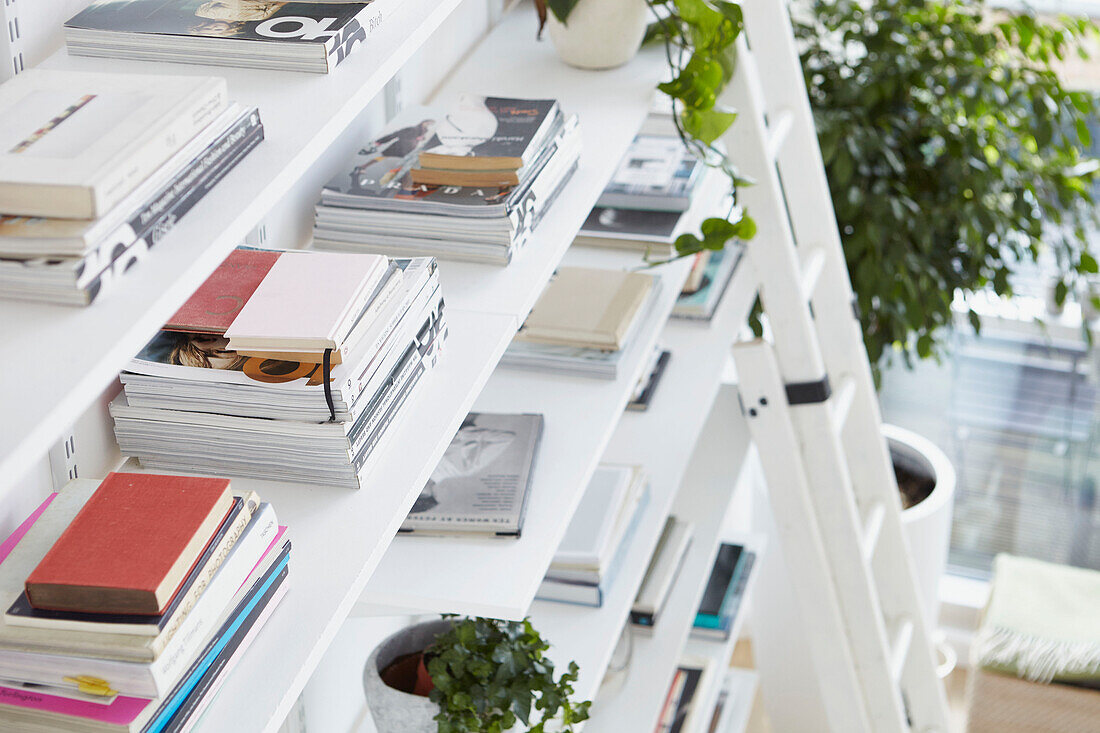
705,496
684,399
58,359
498,577
586,635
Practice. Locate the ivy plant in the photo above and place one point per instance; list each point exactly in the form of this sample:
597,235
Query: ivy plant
490,674
699,40
953,153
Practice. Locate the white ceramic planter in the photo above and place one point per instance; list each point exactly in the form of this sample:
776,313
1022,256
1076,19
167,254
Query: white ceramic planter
599,34
928,524
395,711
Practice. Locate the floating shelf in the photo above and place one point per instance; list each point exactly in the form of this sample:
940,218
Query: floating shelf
58,360
703,500
340,535
498,577
684,399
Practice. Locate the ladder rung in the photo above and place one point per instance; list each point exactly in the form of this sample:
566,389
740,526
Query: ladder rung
843,397
872,527
811,271
903,640
777,132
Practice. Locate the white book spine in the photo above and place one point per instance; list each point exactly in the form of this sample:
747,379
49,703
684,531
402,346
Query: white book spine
144,160
205,616
375,341
379,368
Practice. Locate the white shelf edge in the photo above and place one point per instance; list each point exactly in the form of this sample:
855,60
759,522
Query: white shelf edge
433,574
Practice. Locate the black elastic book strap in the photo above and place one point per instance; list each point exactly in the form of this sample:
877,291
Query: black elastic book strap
326,375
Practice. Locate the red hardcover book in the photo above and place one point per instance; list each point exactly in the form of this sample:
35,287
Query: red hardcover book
212,308
131,545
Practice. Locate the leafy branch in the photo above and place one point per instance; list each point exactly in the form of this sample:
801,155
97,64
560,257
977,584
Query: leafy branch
699,39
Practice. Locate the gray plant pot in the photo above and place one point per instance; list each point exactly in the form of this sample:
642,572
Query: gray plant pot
395,711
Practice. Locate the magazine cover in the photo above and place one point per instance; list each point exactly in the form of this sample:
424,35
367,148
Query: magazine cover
656,165
381,171
633,224
328,23
482,481
380,178
491,127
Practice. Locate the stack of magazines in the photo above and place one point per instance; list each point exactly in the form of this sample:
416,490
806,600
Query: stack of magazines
126,602
300,382
585,322
292,36
510,158
659,191
99,167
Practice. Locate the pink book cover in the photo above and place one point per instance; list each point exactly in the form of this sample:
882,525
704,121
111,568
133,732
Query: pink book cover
306,295
13,539
120,711
274,543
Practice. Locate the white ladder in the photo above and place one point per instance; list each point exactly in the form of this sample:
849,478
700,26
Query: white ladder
813,412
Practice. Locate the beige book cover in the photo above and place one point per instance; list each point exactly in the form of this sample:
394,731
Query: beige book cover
586,307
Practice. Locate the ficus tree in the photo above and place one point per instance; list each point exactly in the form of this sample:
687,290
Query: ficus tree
954,152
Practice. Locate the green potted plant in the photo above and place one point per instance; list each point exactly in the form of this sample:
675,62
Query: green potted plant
699,37
954,154
467,675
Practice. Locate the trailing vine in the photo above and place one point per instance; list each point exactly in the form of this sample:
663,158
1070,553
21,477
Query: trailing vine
699,38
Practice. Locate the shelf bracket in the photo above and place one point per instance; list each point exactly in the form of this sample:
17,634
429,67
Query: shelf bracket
63,461
11,40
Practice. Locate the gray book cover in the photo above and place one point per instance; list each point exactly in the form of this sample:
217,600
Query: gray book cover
481,484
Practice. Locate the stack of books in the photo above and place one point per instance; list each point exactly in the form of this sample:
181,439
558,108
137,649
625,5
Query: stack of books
682,710
660,191
481,484
289,366
586,322
97,168
470,183
127,601
290,36
724,591
660,575
598,538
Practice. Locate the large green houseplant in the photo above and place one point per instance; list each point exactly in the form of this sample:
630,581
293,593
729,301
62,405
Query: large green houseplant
953,152
699,39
